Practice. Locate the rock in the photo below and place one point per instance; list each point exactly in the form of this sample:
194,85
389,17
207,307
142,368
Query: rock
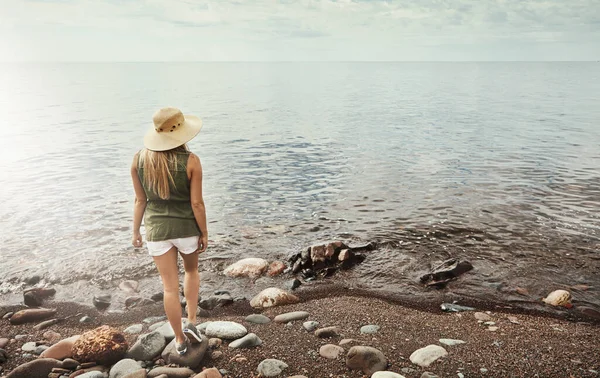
209,373
3,342
134,329
310,326
21,337
52,337
158,297
561,298
450,270
129,286
154,319
291,316
428,375
348,342
32,315
32,280
3,356
589,311
273,297
98,374
171,372
427,355
407,370
298,376
46,324
216,301
226,330
35,297
248,341
192,358
202,327
214,343
482,316
250,267
29,347
101,302
39,368
124,367
451,342
7,315
271,367
369,329
276,268
157,325
345,255
292,284
367,359
483,370
451,307
493,329
166,331
257,319
103,345
327,332
147,347
61,349
386,374
40,349
27,355
489,323
137,301
69,363
85,320
331,351
216,354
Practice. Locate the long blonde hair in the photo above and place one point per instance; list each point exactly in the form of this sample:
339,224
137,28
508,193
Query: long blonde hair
158,167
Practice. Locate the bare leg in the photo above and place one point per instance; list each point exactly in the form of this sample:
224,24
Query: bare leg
191,284
169,273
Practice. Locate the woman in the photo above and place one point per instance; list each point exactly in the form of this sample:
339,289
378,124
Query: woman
167,179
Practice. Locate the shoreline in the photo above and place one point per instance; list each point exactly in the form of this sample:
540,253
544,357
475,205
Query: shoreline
403,330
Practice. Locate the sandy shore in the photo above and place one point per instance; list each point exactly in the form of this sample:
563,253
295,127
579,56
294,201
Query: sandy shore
522,346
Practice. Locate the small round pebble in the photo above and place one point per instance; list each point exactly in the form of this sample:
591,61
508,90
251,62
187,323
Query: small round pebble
310,326
369,329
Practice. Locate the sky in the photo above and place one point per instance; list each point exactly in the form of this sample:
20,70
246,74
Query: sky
299,30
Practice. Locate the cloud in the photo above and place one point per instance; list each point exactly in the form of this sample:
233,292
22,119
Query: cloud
254,29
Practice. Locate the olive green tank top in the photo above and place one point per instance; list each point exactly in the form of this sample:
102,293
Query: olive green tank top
172,218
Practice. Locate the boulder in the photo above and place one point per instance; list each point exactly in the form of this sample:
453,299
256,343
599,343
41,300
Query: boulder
103,345
273,297
62,349
147,346
192,358
39,368
124,367
367,359
32,315
250,267
427,355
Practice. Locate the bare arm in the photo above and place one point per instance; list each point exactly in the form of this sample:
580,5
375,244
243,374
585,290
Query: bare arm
139,206
195,174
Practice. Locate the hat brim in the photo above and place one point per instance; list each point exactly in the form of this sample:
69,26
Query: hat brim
168,140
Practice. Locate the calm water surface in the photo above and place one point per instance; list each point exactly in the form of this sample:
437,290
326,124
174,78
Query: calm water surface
497,163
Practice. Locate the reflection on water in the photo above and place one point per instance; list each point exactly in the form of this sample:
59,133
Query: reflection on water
496,163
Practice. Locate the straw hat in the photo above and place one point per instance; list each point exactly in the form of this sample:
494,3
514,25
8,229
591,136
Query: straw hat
171,129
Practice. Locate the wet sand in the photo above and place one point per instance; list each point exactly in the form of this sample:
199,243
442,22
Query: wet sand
534,346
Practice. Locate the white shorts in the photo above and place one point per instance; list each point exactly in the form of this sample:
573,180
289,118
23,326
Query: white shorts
184,245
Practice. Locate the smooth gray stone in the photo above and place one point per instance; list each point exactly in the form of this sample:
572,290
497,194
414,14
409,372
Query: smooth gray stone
257,319
310,326
271,367
156,325
291,316
124,367
369,329
166,331
171,372
451,342
226,330
93,374
147,346
154,319
248,341
134,329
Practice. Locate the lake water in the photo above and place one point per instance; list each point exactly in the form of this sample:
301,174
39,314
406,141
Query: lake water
496,163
